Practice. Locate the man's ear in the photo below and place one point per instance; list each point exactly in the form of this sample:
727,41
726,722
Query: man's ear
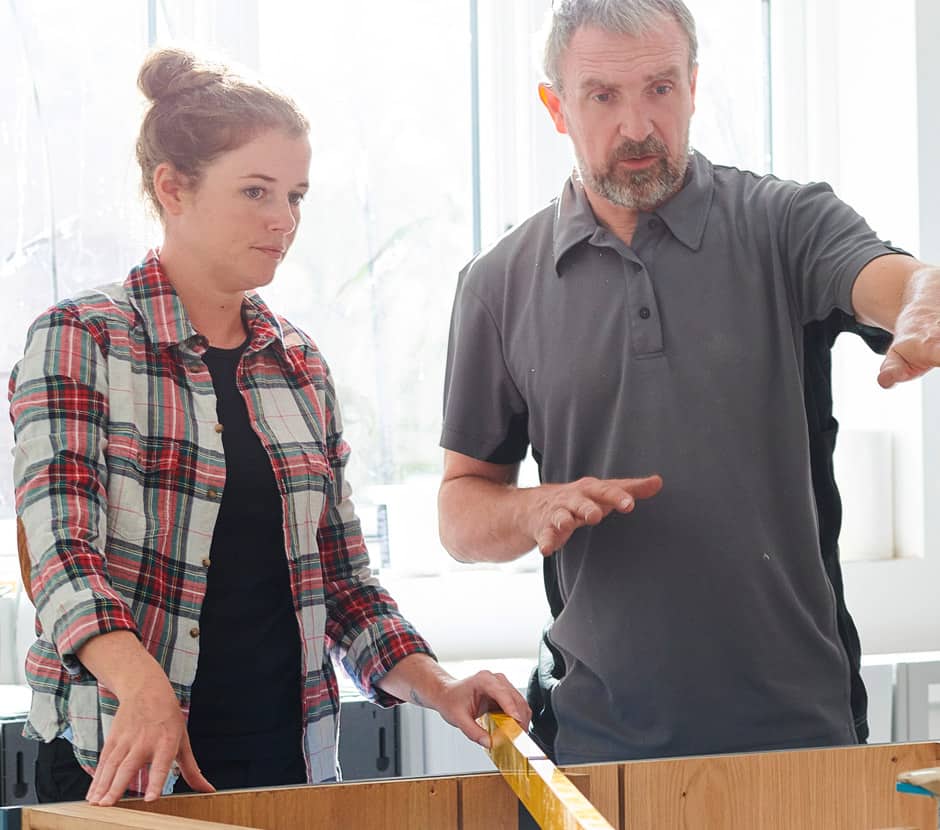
552,103
170,187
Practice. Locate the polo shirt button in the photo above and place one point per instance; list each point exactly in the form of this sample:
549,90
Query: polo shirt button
206,562
645,313
194,632
219,428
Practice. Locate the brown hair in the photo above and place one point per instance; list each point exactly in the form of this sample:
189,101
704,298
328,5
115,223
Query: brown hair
200,110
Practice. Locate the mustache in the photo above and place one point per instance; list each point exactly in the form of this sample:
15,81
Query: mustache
630,149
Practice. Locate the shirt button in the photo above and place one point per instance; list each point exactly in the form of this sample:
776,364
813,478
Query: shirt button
645,313
219,428
194,632
206,562
212,493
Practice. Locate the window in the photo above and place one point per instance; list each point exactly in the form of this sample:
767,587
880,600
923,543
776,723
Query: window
392,213
824,92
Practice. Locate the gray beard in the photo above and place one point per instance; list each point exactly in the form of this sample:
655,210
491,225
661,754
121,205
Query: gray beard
644,190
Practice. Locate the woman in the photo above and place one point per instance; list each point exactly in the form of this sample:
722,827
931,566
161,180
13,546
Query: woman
193,553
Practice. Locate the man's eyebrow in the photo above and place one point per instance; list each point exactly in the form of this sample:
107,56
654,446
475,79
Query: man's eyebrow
668,73
592,83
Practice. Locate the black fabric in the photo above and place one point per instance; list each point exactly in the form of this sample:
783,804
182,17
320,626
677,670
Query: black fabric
818,339
239,775
59,776
246,697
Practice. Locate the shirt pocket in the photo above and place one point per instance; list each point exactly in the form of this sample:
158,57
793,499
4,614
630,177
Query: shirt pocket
140,483
308,480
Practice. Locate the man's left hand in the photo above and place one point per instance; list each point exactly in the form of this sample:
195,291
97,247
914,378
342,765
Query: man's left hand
915,349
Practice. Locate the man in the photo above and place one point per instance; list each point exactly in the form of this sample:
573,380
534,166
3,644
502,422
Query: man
651,321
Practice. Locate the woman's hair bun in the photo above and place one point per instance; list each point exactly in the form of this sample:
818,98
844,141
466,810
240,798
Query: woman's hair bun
170,71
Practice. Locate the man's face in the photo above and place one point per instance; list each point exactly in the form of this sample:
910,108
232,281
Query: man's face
626,102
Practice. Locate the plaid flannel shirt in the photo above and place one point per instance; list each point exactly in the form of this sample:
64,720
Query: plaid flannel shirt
120,470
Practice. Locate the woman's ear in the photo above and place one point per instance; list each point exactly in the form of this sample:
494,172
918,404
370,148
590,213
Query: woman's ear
170,187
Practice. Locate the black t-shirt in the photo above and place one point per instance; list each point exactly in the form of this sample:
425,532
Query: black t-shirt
246,698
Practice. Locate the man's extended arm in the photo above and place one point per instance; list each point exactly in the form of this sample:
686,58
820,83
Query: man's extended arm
902,295
486,517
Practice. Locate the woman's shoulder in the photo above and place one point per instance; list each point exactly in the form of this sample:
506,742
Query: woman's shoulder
98,309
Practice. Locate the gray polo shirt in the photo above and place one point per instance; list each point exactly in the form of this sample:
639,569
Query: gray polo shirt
702,622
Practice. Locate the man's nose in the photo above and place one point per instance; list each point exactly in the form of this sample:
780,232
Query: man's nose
636,124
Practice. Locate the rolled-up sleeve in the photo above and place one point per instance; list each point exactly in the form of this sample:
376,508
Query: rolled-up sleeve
59,409
364,629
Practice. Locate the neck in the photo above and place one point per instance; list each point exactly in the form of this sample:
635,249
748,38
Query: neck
620,221
215,313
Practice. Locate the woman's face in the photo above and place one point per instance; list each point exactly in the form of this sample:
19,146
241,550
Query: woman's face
238,222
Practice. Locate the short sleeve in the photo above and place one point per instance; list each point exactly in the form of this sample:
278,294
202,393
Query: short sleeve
826,244
485,416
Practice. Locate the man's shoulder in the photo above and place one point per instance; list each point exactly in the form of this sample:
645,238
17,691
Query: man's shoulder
527,245
740,183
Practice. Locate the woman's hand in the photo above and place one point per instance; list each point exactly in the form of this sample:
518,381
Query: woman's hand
420,680
148,730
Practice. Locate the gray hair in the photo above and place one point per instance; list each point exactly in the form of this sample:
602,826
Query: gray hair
630,17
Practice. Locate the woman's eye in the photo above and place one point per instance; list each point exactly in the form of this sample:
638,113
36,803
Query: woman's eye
296,198
254,192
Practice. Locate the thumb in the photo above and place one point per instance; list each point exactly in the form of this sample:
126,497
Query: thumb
895,369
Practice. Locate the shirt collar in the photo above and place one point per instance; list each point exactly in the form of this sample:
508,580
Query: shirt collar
165,319
685,214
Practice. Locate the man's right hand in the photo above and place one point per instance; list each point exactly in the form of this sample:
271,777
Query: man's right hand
486,517
148,729
555,511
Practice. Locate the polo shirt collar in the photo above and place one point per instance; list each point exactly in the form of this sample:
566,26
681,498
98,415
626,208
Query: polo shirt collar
166,322
685,214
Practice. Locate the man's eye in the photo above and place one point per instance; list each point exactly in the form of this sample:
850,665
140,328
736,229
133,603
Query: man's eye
254,192
602,97
296,198
663,89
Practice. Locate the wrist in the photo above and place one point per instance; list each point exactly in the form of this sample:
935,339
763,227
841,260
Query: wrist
418,679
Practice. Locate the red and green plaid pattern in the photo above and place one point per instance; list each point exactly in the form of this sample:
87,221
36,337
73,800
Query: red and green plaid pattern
119,474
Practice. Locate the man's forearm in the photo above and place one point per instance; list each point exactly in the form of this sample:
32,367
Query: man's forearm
483,520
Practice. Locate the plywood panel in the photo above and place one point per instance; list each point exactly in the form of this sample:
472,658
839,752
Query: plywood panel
832,789
381,805
81,816
487,803
602,789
